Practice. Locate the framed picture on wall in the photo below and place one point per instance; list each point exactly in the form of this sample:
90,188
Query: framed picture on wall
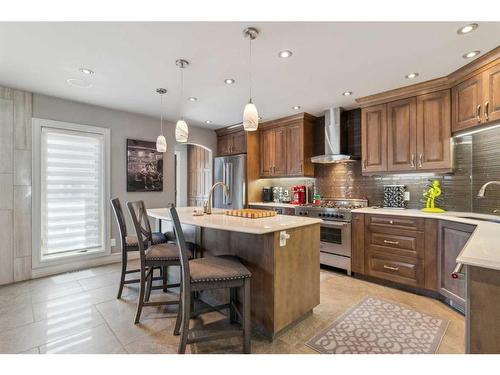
144,166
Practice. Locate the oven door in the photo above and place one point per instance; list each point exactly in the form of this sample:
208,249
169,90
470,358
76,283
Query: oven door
335,237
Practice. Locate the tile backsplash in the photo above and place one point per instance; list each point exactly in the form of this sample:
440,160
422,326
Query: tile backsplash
476,161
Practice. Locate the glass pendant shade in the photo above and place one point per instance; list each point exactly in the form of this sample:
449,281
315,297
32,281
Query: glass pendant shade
181,131
161,144
250,117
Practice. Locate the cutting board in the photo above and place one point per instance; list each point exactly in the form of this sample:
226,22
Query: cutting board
250,213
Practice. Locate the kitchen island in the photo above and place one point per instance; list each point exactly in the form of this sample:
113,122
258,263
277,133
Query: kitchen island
282,252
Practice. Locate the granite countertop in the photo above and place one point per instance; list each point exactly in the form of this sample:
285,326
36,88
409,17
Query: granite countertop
482,249
273,204
218,220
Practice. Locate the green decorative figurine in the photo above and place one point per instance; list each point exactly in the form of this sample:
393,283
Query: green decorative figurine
430,195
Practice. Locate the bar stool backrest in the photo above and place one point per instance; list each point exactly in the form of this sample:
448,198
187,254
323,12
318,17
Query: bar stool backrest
181,243
120,219
142,226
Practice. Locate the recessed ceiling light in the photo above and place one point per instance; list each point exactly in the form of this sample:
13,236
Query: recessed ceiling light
471,54
285,54
296,107
208,122
411,75
77,82
192,99
229,81
467,29
347,93
86,71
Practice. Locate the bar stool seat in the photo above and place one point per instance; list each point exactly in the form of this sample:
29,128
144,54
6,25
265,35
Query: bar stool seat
215,269
158,237
164,252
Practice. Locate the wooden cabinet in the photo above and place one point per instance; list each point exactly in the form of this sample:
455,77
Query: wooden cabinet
476,101
433,137
416,131
401,134
286,147
358,243
452,238
232,143
374,138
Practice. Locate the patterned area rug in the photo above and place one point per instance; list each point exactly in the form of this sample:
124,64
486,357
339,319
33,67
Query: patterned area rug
377,326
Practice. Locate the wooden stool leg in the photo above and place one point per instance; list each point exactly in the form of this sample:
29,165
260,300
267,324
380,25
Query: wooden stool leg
149,278
124,272
247,325
232,300
140,302
186,312
165,277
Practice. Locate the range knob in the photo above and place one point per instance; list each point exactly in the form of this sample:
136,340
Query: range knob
341,216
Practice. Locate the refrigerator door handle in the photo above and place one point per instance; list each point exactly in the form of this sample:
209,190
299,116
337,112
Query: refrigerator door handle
224,180
229,183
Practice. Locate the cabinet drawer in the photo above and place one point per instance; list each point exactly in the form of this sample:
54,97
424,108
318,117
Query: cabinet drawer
402,242
398,269
400,222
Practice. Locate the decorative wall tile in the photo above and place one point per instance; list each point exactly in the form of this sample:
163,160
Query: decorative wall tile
6,191
6,247
22,170
22,221
22,269
6,135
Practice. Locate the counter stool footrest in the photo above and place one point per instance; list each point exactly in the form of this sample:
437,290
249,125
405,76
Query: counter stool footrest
212,336
208,309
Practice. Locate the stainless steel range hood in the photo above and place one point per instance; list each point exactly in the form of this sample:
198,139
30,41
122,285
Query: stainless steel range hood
333,152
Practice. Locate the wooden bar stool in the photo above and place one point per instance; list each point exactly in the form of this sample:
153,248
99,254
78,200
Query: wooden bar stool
221,272
129,243
162,255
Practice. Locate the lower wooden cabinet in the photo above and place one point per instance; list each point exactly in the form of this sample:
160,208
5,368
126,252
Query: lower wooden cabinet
409,250
452,238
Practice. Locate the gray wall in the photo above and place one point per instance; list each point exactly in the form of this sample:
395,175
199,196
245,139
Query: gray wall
183,175
124,125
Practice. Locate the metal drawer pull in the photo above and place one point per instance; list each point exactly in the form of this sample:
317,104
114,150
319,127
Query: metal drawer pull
478,113
391,242
412,161
457,272
486,110
391,268
391,222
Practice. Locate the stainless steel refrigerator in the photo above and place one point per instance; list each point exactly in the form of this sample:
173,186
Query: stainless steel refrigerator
232,171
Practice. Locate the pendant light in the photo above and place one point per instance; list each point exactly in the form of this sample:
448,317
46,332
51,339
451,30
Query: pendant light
181,128
161,142
250,113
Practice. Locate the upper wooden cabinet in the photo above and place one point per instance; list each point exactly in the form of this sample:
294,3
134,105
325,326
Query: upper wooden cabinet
415,130
467,99
374,138
231,143
286,147
491,92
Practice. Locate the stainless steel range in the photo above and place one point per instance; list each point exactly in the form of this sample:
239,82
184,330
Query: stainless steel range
335,242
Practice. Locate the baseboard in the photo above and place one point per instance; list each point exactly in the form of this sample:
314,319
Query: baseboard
80,265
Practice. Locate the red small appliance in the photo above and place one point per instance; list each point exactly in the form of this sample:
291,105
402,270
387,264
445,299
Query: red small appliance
299,194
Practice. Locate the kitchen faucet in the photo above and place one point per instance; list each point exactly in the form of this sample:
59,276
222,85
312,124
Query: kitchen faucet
208,206
481,192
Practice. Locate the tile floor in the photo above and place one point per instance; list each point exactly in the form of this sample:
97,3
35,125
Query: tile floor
78,313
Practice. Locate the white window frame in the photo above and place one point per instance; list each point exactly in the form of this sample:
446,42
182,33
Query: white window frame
37,260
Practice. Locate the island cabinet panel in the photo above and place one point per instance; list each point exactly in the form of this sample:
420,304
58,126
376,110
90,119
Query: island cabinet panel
433,136
358,243
452,238
374,138
285,279
401,134
482,325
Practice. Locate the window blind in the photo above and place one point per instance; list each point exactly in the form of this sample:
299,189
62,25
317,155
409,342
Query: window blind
72,191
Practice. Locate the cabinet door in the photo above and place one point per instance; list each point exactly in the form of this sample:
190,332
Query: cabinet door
358,243
452,238
434,131
239,143
266,153
223,145
294,150
467,100
279,152
491,93
401,135
374,138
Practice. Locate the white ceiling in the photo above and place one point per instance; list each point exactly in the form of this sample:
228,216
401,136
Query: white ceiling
131,60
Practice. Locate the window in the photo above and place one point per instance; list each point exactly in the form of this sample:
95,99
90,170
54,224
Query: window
72,190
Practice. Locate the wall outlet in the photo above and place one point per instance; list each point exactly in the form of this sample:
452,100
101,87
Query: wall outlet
113,242
283,237
407,196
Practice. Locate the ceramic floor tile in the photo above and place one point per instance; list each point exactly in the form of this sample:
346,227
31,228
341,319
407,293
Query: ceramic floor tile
39,333
46,290
163,342
31,351
16,315
96,340
100,281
